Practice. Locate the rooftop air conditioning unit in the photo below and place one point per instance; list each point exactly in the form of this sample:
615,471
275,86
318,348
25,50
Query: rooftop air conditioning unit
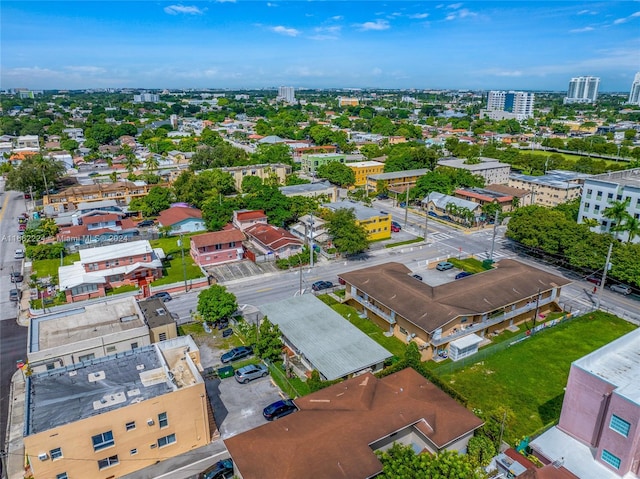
150,422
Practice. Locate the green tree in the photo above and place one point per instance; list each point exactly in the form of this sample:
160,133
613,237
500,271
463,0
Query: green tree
151,162
69,145
217,213
269,344
251,184
337,173
158,199
216,303
35,173
348,236
617,212
125,129
481,450
276,153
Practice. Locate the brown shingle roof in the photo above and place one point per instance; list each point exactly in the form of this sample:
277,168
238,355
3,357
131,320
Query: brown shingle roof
430,307
507,190
217,237
176,214
331,433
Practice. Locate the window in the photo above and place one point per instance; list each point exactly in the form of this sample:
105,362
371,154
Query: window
617,424
51,366
134,345
165,441
402,330
162,336
610,459
84,288
130,426
55,453
102,441
133,451
86,357
108,462
610,196
111,349
163,420
62,475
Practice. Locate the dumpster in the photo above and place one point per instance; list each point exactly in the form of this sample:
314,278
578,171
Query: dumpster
225,372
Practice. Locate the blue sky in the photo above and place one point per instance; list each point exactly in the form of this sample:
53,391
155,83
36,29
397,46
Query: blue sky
536,45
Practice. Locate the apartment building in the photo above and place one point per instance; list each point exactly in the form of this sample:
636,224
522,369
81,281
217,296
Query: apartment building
286,94
319,189
489,168
111,416
146,98
452,319
310,163
582,90
377,223
348,101
634,93
266,171
122,191
397,181
554,188
69,337
28,142
598,436
509,105
599,191
362,169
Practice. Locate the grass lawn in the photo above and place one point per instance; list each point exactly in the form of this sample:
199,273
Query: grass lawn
392,344
401,243
571,157
173,272
470,265
529,377
49,267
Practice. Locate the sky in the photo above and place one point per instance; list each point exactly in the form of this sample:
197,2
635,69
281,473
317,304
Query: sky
247,44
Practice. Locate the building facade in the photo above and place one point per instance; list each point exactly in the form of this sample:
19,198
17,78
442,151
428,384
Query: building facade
266,171
122,191
310,163
505,105
287,94
491,170
397,181
319,189
217,247
634,93
362,169
376,223
582,90
554,188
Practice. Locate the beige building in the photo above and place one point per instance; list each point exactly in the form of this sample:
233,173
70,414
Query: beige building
489,168
112,416
162,325
122,191
280,170
552,189
321,189
85,333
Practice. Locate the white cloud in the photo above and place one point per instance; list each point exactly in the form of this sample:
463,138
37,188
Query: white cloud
86,69
626,19
419,15
337,17
186,9
587,12
332,29
463,13
377,25
581,30
290,32
454,6
225,1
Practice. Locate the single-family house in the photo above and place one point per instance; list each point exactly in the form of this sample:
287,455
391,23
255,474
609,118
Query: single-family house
266,242
217,247
242,219
97,226
181,220
452,208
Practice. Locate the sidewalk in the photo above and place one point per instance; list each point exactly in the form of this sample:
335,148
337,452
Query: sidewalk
15,425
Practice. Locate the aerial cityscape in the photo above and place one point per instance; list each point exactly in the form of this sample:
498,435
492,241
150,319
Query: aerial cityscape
286,240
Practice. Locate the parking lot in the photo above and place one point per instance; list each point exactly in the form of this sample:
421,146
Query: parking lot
433,277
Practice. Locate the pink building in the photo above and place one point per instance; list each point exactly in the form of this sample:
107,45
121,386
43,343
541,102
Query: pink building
244,218
217,247
598,436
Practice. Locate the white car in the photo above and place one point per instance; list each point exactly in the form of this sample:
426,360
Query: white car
19,254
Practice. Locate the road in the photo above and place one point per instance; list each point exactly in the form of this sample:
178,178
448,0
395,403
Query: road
13,338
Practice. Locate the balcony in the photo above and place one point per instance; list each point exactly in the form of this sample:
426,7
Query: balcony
475,327
368,305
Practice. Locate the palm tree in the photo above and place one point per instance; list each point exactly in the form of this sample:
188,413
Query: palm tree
151,162
632,227
130,163
617,211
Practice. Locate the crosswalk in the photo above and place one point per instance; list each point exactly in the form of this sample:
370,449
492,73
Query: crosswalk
439,236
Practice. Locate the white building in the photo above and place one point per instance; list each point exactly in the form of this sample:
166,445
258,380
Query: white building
634,94
503,105
493,172
599,191
582,90
286,93
146,97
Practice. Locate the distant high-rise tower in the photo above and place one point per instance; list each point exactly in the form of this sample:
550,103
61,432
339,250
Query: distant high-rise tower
286,93
583,90
502,105
634,95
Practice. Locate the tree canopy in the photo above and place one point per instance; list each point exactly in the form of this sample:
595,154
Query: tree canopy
337,173
348,237
216,303
35,173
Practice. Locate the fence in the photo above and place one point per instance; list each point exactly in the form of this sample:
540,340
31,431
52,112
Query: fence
281,379
495,348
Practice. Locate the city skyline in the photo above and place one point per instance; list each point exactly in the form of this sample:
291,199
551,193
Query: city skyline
249,44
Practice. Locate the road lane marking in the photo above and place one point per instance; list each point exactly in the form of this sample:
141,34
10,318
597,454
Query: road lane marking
4,205
263,290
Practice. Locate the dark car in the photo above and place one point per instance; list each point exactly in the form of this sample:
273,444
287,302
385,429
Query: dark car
595,280
382,196
22,227
444,265
279,409
14,295
146,223
236,354
342,281
463,274
396,224
417,276
16,277
320,285
163,295
251,372
220,470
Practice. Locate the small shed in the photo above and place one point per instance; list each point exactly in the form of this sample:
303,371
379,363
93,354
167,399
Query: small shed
463,347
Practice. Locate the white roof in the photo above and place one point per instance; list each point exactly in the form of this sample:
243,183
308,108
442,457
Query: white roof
441,201
119,250
364,164
466,341
75,275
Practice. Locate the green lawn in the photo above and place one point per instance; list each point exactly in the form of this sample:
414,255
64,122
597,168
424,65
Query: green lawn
173,270
392,344
49,267
570,157
470,265
402,243
529,377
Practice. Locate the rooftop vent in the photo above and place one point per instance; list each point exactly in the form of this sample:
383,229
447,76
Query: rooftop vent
73,373
126,319
160,312
140,367
97,376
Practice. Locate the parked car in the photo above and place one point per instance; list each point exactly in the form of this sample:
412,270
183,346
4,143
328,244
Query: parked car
320,285
621,288
146,223
19,254
222,324
463,274
396,224
16,277
236,354
597,280
227,332
251,372
163,295
382,196
220,470
342,281
444,265
417,276
93,173
14,295
27,196
279,409
395,229
22,227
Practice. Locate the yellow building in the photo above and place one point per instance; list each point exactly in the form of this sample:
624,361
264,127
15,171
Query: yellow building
121,191
362,169
376,222
109,417
348,101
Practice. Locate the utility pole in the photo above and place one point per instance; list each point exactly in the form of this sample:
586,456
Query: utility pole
300,271
604,276
495,230
406,207
535,315
311,241
184,265
426,220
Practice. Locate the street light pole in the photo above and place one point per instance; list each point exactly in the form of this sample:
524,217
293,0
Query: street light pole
184,265
426,220
406,207
604,276
311,241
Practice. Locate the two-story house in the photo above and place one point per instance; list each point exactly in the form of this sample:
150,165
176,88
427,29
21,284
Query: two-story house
242,219
98,227
217,247
270,242
134,263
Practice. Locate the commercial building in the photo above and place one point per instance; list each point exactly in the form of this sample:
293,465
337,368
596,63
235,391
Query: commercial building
266,171
362,169
553,188
310,163
599,191
338,430
511,105
489,168
452,319
598,436
634,93
319,189
287,94
111,416
582,90
377,223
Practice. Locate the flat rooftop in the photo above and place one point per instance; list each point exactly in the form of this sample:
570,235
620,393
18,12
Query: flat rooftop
87,322
485,164
629,178
394,175
618,363
362,212
305,188
554,178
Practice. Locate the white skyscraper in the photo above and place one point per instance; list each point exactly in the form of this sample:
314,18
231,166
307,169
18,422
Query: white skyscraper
634,95
286,93
583,90
503,105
